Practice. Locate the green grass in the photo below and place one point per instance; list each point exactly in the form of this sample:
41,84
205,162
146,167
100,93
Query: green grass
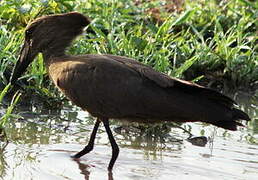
8,114
207,41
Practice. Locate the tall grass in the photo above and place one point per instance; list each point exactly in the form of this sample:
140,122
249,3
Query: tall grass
8,114
206,40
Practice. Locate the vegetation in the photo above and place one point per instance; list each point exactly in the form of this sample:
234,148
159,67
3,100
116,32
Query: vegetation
200,40
4,119
208,41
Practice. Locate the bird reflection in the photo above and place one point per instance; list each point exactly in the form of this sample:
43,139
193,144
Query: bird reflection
84,168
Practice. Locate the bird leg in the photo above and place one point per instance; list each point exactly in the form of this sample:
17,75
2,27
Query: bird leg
90,145
115,148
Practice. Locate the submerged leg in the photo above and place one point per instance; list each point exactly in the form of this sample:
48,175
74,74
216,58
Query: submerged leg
90,145
115,148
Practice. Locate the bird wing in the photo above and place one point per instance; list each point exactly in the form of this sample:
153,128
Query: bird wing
119,87
166,81
97,82
100,85
160,79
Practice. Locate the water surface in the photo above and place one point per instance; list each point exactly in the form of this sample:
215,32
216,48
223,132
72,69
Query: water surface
41,143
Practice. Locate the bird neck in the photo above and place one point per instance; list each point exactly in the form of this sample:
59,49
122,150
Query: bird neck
56,49
53,53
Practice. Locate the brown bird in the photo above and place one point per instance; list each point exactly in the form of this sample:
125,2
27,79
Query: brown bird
115,87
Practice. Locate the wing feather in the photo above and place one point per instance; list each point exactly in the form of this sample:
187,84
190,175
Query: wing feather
166,81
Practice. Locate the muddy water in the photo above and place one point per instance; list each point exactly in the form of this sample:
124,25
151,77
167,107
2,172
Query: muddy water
41,142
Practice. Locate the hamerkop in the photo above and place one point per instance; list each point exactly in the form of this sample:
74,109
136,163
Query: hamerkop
116,87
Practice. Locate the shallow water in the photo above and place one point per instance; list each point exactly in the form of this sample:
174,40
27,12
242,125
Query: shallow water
40,145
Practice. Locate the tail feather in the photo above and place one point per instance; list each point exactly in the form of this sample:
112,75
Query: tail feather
204,92
238,114
233,123
218,99
230,125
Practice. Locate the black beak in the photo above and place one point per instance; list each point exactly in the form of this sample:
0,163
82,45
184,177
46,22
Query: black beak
25,58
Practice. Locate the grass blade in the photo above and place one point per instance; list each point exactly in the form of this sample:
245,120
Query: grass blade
3,93
184,17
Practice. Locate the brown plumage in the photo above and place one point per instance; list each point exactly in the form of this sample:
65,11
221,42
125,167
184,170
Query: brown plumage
109,86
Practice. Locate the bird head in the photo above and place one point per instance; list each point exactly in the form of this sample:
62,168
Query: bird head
50,34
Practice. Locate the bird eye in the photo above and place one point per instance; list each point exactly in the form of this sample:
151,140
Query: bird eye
31,28
28,32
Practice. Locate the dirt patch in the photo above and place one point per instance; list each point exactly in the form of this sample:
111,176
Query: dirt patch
165,7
